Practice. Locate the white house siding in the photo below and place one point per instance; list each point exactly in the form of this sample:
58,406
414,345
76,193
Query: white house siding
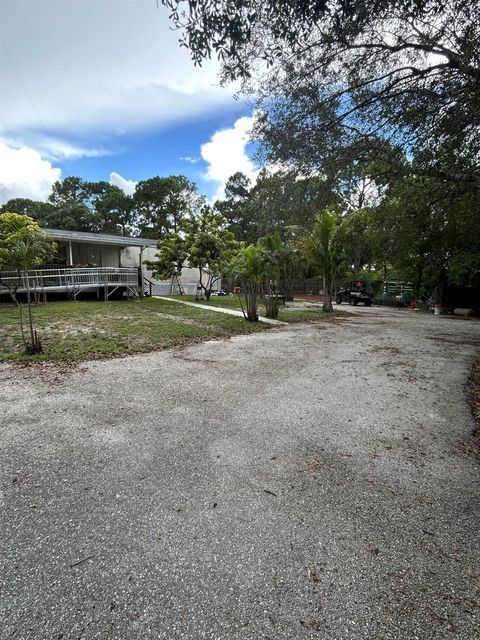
110,257
130,257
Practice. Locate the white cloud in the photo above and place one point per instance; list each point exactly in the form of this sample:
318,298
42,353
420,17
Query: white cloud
84,68
25,174
191,159
226,154
53,149
127,186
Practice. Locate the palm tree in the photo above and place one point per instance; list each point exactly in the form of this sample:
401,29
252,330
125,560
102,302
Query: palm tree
272,249
318,247
25,254
248,268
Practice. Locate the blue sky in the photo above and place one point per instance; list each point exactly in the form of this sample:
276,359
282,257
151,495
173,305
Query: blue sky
175,149
101,89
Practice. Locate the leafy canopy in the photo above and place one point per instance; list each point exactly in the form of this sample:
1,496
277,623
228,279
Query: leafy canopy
23,245
406,71
154,209
170,258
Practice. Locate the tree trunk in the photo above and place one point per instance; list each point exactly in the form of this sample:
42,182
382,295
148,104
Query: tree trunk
30,318
251,299
22,328
288,290
20,313
327,296
271,302
34,346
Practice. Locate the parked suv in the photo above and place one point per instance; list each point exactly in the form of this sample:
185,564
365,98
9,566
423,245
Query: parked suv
354,296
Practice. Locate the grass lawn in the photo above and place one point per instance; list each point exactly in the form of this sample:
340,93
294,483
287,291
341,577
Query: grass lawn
94,329
84,330
286,314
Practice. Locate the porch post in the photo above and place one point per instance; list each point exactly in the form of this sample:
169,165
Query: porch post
70,253
141,271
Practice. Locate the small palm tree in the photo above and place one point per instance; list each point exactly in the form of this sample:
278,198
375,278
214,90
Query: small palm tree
272,259
248,268
25,254
318,247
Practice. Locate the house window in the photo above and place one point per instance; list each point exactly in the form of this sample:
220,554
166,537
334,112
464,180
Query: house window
85,255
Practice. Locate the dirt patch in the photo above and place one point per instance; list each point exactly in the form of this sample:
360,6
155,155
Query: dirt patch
403,371
65,329
179,355
49,372
449,340
308,297
189,321
334,320
379,349
367,322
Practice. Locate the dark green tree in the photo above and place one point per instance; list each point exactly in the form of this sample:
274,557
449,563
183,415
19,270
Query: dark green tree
428,234
276,201
404,71
161,203
73,199
354,234
115,212
68,190
236,209
42,212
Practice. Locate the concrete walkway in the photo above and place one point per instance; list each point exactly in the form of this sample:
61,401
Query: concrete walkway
209,307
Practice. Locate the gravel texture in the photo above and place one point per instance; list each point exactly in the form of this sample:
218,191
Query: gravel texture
314,481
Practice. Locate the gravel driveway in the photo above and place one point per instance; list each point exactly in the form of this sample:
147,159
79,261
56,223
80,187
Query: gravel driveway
314,481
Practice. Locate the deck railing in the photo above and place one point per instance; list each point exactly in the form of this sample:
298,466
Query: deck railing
70,279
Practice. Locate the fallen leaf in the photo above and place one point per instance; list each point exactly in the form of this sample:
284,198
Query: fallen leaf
312,574
471,572
313,625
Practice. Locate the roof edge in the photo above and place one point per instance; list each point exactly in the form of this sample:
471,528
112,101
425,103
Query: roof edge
99,238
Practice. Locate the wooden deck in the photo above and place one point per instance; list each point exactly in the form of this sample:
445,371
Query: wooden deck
72,280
